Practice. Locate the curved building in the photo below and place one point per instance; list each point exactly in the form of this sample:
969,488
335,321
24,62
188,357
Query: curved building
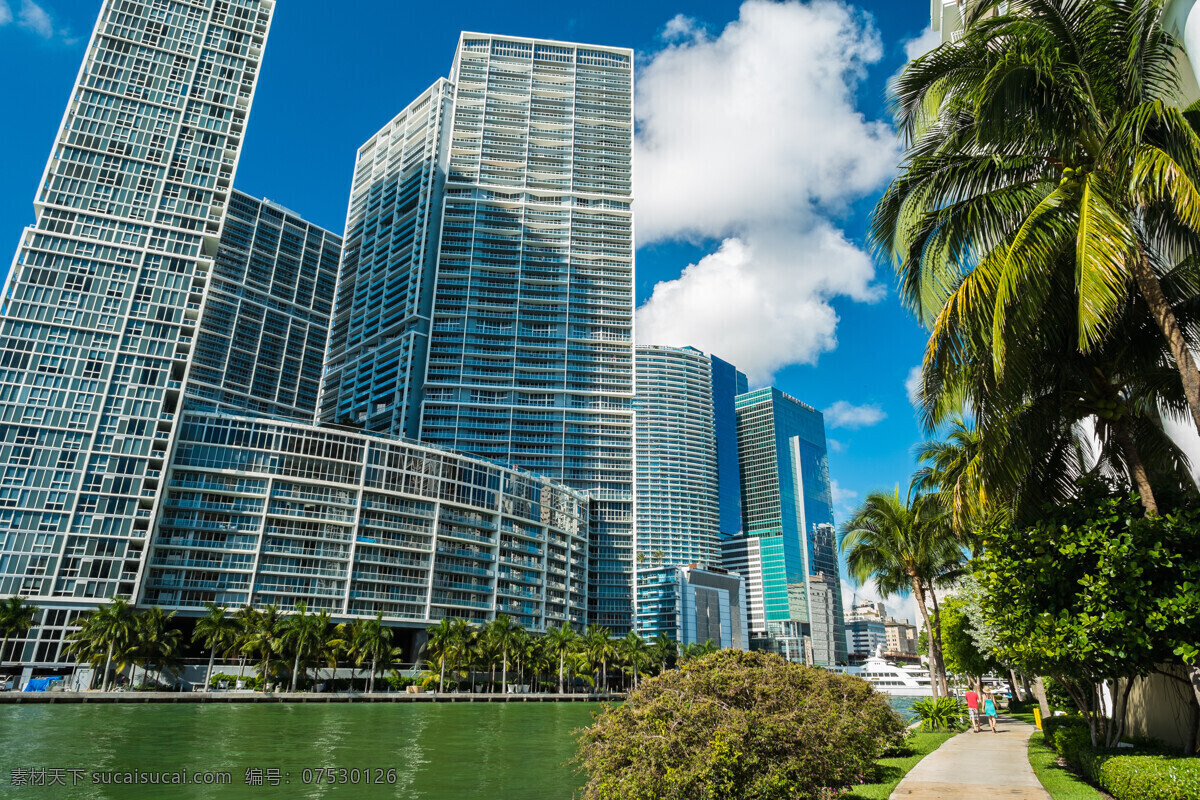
259,511
677,518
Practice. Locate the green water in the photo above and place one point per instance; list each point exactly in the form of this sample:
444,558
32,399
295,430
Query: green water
510,751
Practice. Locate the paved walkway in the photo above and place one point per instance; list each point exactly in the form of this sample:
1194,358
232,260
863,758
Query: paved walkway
977,766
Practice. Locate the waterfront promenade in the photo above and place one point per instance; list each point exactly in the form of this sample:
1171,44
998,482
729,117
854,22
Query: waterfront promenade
44,698
977,766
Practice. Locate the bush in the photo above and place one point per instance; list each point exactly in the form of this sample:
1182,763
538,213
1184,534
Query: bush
738,726
249,681
1125,777
940,712
1057,697
1050,725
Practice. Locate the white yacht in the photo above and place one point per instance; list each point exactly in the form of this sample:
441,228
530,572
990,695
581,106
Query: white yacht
906,681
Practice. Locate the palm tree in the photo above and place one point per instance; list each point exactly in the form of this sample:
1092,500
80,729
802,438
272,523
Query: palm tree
107,629
663,650
561,641
906,546
16,616
635,653
303,633
156,642
1046,151
217,630
373,644
1108,178
264,638
598,644
501,634
246,622
465,649
440,643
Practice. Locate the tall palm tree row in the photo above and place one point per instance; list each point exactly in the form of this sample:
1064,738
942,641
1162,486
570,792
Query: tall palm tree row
1045,225
16,617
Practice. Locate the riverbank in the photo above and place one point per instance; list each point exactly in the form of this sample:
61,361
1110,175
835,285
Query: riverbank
54,698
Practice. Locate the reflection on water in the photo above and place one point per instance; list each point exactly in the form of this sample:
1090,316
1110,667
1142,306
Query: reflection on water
438,752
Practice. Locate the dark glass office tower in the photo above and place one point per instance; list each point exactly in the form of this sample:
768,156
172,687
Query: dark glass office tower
727,383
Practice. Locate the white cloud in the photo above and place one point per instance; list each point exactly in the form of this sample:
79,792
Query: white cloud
841,496
5,13
34,18
835,446
912,384
844,415
922,44
683,28
753,138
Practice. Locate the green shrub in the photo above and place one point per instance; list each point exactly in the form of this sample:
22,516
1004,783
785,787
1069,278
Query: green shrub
1050,725
249,681
1057,697
1138,776
940,712
738,726
1150,777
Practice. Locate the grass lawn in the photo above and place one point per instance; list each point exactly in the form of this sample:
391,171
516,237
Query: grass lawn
1061,783
891,770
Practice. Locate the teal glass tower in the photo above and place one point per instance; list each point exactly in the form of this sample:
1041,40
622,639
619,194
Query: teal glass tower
787,504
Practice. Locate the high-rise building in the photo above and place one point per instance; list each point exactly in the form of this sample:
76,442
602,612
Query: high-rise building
727,383
691,605
742,555
787,504
105,292
380,337
260,345
486,302
677,510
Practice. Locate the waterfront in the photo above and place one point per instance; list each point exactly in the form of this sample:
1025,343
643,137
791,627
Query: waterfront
438,752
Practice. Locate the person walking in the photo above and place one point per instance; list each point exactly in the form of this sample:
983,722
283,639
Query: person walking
972,698
989,711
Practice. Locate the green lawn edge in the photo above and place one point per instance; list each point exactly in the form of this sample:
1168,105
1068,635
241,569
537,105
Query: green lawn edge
892,770
1058,781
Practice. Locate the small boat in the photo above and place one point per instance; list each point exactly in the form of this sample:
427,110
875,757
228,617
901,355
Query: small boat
905,681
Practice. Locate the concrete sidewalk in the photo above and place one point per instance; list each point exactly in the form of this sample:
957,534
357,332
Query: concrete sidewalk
977,766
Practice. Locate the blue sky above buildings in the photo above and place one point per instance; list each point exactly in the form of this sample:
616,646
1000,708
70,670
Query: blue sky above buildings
763,142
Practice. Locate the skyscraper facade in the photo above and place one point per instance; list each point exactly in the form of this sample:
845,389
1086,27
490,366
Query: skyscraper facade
260,344
380,338
486,298
677,488
727,383
106,289
787,504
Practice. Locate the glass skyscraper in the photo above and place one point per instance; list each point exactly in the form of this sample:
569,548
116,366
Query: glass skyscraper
787,504
486,298
104,295
260,345
677,510
727,383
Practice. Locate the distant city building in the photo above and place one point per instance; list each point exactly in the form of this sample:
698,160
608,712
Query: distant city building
260,344
727,383
867,609
486,303
677,508
826,640
901,637
692,606
787,504
742,555
104,295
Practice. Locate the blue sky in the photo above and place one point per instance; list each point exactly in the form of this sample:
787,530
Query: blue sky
764,144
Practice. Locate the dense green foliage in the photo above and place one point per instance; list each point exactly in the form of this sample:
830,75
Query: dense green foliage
1093,592
738,726
1137,776
16,617
963,656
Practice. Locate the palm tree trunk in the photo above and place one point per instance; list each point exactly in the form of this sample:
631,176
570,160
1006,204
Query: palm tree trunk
936,635
1164,315
3,647
374,665
919,592
266,668
561,656
212,656
107,664
1137,469
442,675
295,669
504,672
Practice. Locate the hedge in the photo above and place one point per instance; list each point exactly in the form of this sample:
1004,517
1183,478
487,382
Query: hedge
1125,777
